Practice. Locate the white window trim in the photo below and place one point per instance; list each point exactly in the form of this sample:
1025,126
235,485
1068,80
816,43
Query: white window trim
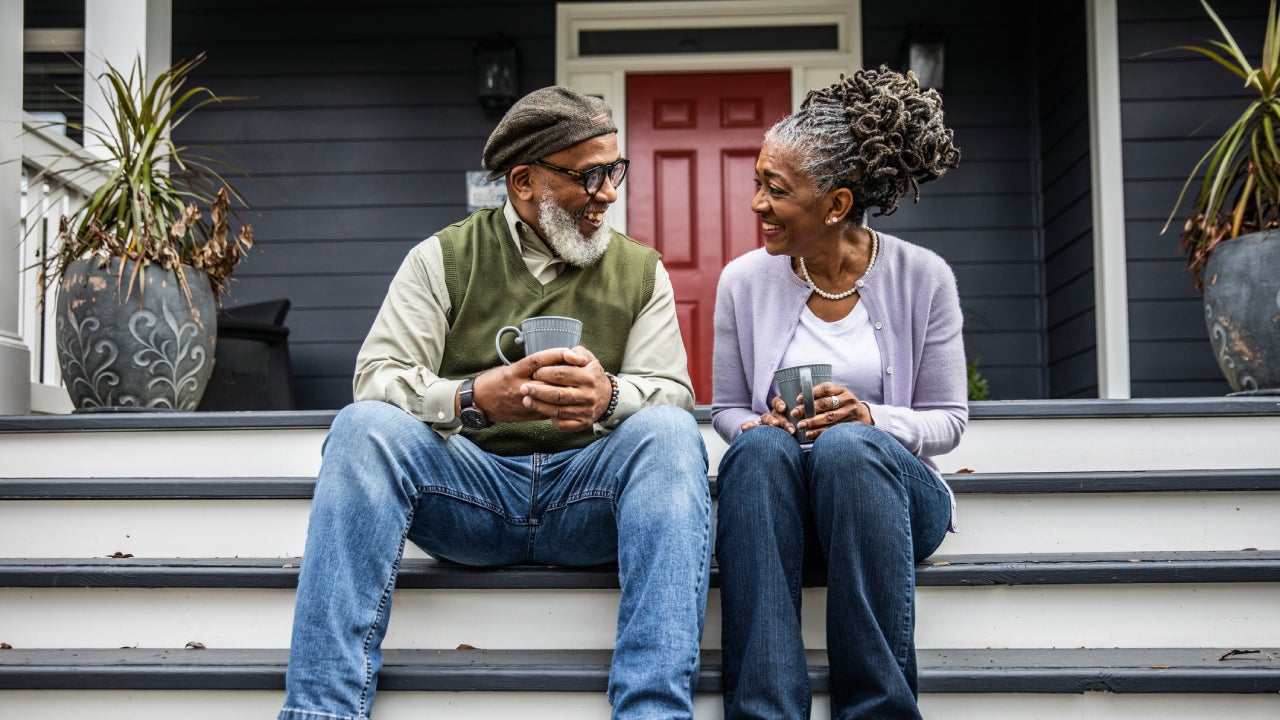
606,76
1110,257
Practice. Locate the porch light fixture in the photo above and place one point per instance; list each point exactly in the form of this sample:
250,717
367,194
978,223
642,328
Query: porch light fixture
925,55
498,66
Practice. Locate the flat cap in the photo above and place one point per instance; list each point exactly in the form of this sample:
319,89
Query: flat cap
543,123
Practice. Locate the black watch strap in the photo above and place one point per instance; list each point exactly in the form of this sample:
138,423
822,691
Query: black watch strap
470,415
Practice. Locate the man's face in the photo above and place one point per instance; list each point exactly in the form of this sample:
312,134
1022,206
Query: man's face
573,223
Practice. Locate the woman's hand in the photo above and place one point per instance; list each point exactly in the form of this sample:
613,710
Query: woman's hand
832,404
776,417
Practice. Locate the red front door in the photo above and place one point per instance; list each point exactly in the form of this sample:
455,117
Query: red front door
693,142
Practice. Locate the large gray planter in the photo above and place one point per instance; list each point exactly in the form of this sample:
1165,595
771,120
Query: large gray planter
1242,311
153,350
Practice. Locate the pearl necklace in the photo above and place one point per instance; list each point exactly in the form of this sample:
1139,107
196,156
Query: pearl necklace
875,250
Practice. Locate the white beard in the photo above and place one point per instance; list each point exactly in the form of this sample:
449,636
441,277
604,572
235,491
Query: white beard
563,235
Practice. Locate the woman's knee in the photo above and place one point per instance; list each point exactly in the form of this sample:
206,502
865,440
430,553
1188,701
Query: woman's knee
853,444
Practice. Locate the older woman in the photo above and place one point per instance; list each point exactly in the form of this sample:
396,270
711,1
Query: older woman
860,493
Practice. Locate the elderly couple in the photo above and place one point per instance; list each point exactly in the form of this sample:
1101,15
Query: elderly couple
590,455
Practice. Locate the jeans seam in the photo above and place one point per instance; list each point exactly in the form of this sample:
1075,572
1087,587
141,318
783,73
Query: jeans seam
387,590
449,492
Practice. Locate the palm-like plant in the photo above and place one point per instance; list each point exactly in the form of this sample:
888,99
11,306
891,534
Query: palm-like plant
1240,190
146,210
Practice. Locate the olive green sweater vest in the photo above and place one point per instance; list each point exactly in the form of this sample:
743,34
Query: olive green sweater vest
490,286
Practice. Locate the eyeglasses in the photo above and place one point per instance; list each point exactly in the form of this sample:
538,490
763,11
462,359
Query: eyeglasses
593,177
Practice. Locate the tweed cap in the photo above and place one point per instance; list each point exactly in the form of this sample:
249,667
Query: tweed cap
543,123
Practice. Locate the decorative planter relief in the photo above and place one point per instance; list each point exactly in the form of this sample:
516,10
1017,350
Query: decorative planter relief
152,350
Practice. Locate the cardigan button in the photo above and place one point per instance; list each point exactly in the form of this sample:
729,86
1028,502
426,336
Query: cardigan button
889,370
879,326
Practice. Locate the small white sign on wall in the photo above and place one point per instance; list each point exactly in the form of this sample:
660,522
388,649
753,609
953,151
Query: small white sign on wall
482,193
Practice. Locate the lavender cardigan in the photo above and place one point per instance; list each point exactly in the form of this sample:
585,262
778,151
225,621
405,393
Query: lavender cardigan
910,296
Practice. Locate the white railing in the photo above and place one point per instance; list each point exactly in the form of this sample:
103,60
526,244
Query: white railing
54,183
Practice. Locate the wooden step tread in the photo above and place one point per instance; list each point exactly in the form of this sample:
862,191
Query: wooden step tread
1118,670
1260,406
941,570
286,488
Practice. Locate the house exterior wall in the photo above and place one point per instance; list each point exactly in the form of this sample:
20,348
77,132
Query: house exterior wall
1173,106
983,217
1062,113
360,129
363,124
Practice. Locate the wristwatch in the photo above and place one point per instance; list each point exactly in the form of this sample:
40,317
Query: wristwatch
470,415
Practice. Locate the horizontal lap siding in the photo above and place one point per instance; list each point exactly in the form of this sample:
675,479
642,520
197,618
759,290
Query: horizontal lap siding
983,217
1173,105
1063,111
362,122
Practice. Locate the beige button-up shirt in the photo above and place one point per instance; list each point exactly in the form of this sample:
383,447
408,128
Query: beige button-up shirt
400,356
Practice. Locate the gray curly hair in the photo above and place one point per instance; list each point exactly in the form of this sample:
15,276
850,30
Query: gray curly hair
876,133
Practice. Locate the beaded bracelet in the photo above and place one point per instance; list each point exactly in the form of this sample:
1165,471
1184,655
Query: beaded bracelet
613,398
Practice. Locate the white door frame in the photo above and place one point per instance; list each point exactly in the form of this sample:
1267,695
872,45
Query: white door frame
606,76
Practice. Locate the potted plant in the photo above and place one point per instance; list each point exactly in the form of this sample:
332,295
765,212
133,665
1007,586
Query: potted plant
139,270
1227,235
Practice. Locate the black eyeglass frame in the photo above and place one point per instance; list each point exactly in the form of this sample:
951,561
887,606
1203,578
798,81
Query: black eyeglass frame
584,176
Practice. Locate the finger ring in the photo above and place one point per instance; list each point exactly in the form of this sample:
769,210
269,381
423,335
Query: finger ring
835,402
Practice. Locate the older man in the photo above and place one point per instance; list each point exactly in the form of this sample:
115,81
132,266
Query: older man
574,456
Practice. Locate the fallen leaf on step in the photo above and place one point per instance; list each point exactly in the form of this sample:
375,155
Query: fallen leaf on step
940,563
1230,653
5,646
195,645
1159,667
1135,560
964,471
1249,550
288,565
118,554
465,646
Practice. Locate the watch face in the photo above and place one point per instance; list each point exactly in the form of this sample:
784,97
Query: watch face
473,418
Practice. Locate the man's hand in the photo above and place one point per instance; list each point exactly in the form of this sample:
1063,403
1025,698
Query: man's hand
567,386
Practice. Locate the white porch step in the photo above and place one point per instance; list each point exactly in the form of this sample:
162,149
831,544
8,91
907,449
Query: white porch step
1094,600
1143,529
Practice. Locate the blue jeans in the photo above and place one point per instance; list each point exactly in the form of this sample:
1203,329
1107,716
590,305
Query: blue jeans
871,509
638,497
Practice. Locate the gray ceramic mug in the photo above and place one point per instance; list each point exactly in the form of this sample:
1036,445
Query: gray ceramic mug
542,333
797,381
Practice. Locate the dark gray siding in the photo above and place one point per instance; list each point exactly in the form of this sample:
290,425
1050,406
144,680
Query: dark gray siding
1173,104
984,217
1063,116
362,123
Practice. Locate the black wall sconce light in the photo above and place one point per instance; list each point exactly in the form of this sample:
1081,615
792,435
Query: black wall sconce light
925,55
498,67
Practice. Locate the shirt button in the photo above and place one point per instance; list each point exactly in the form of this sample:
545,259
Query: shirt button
440,415
859,283
879,325
889,370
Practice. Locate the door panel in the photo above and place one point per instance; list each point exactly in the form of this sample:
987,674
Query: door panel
693,142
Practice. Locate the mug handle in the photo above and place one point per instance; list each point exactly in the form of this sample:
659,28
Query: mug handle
806,386
497,342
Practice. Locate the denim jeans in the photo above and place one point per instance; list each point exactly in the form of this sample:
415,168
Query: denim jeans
638,496
868,507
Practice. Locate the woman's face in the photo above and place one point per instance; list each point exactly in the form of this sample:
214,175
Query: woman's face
791,212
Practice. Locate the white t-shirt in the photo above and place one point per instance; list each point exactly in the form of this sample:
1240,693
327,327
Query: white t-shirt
848,344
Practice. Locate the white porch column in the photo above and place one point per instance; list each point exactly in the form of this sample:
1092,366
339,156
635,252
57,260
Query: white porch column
1110,260
118,32
15,357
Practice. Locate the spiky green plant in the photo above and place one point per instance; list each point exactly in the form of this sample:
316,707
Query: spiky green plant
1240,190
146,210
